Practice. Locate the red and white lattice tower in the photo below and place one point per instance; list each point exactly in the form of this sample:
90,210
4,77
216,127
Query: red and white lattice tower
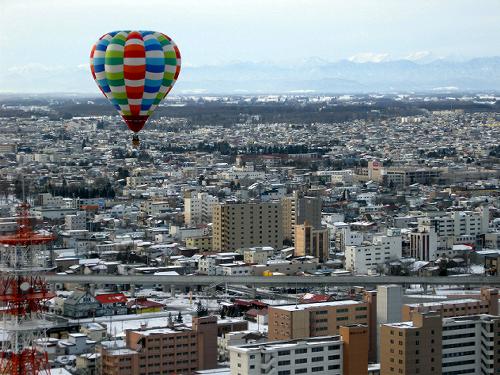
23,294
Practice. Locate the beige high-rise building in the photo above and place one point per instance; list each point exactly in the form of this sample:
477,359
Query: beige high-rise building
412,348
297,209
288,209
243,225
313,242
315,319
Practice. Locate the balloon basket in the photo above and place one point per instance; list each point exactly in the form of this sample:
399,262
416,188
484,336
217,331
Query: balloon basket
135,141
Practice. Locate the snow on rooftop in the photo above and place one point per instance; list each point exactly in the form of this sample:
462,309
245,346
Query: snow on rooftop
305,306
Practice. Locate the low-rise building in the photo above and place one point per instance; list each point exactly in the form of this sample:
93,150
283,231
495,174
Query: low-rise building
369,256
487,303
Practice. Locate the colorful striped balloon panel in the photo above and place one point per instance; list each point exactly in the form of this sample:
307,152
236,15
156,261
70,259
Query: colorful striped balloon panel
135,70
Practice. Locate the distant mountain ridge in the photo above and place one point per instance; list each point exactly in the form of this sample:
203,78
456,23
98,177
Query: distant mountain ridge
313,76
347,76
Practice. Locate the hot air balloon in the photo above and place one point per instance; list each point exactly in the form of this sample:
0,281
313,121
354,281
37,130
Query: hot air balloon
135,70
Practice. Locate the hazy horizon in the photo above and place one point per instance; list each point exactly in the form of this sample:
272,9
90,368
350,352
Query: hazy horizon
45,44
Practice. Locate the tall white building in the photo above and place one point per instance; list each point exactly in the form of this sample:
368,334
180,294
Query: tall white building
470,345
389,303
458,223
365,258
319,355
198,207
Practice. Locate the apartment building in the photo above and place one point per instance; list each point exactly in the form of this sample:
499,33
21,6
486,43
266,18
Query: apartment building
296,210
471,345
198,207
243,225
344,354
430,344
487,303
174,349
289,322
320,355
367,257
456,226
311,241
412,347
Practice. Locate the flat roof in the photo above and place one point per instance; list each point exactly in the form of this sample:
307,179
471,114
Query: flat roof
305,306
450,302
289,344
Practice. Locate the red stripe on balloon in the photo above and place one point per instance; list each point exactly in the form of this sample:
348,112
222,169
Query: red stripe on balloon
134,72
135,92
177,52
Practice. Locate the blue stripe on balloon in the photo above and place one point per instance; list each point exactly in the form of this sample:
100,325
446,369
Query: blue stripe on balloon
98,68
154,68
152,89
155,61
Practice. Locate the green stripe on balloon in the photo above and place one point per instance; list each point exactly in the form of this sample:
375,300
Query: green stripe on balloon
171,61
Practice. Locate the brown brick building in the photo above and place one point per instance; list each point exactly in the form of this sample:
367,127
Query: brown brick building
355,341
431,345
486,304
311,241
176,349
289,322
412,348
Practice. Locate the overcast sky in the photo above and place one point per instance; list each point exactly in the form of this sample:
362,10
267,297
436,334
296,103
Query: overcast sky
54,34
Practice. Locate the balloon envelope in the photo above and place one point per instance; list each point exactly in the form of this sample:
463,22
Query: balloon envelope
135,70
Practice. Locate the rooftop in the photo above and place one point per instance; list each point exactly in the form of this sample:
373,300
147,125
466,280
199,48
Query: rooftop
305,306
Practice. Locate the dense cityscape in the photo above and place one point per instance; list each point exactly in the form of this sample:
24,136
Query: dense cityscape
266,234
